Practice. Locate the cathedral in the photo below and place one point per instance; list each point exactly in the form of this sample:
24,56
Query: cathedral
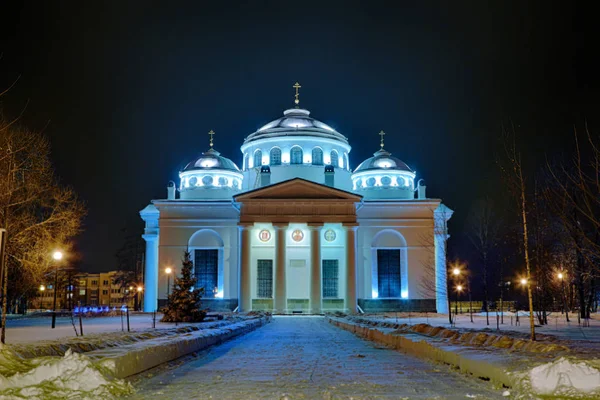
296,230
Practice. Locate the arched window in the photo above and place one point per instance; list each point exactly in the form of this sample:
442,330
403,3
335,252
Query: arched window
257,158
275,156
334,159
296,155
246,166
346,162
317,156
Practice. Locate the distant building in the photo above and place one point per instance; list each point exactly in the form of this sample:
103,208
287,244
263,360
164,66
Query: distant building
86,289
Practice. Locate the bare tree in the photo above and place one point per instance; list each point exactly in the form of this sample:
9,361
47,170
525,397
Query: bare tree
38,213
512,169
484,227
575,193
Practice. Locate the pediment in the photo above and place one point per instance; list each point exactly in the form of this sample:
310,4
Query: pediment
297,189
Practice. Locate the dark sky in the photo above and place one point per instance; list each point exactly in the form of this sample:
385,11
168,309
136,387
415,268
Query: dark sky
129,89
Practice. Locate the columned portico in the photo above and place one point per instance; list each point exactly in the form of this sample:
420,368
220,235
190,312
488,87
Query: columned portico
315,270
351,295
245,270
280,306
296,212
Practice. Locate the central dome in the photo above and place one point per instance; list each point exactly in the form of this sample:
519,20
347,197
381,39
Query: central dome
296,122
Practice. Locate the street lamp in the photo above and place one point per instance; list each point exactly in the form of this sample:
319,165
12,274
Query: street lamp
139,295
57,256
459,289
42,288
168,271
561,278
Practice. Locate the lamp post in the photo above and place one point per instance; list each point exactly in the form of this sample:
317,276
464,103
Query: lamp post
139,294
168,271
42,289
456,274
459,289
57,256
561,278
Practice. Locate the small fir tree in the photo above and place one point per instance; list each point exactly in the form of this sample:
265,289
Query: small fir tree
184,301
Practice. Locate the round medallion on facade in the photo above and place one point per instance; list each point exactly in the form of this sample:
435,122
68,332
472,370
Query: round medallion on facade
264,235
330,235
297,235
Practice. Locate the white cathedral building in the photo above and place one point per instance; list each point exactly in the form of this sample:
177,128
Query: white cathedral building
297,230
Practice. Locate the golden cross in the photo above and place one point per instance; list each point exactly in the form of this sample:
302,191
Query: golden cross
211,133
382,133
297,86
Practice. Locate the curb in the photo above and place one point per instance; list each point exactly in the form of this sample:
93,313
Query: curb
469,361
132,359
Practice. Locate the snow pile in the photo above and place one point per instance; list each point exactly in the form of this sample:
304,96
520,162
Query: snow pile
564,377
73,376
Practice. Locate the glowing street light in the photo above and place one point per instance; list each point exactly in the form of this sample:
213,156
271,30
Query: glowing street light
523,281
561,278
168,271
42,288
456,271
57,256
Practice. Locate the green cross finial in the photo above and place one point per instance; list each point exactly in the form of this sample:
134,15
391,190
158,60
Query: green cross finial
211,133
297,86
382,134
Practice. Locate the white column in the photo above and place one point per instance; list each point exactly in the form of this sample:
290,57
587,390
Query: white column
151,273
351,296
316,281
245,301
441,216
280,305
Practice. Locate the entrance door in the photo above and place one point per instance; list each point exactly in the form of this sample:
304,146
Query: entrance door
206,266
388,273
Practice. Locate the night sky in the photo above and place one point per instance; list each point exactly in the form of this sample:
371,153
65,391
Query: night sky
127,90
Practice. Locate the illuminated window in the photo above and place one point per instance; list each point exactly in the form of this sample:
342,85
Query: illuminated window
265,278
330,279
371,182
296,155
257,158
206,264
275,156
388,273
386,180
334,159
317,156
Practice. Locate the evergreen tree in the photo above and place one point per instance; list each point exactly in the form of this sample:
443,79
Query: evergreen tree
184,300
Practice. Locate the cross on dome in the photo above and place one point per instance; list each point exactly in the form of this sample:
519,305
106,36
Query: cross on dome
211,133
382,134
297,95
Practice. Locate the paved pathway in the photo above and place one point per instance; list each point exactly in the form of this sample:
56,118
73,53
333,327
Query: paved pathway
307,358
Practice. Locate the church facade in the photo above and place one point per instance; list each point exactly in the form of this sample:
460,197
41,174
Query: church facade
296,230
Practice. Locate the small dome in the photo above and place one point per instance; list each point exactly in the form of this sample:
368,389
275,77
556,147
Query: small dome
296,122
383,160
211,160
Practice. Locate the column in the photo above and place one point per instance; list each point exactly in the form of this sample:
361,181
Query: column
351,296
280,305
151,273
245,301
316,281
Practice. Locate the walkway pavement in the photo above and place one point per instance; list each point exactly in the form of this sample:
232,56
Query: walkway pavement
307,358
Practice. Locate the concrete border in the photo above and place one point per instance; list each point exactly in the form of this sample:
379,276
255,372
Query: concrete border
129,360
467,360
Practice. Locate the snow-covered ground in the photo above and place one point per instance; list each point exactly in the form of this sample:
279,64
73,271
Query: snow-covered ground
307,358
557,324
33,329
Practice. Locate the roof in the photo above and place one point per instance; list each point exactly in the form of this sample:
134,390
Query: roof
383,160
211,160
296,122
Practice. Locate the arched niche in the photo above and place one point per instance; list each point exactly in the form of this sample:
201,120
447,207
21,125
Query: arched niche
205,238
388,238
